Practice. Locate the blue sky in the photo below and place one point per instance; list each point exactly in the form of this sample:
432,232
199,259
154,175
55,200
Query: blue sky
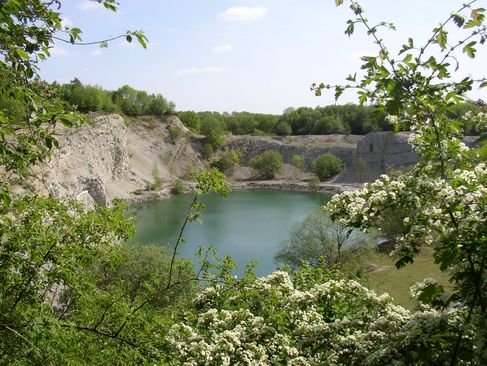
235,55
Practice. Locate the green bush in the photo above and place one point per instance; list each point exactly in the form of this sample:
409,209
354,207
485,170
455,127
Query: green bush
156,183
326,166
314,183
207,151
268,164
228,161
174,133
297,161
191,120
177,187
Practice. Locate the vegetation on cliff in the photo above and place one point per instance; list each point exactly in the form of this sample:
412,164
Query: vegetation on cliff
126,100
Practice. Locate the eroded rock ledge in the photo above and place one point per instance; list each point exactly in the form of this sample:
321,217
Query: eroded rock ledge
114,159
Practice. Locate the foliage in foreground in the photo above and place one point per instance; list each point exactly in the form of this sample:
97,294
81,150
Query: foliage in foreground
442,201
314,318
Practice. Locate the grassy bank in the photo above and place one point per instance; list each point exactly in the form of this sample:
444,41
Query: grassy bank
387,278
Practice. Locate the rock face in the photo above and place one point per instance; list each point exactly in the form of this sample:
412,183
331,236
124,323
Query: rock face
379,151
108,159
112,158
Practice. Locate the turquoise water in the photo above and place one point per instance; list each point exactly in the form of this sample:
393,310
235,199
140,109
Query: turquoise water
247,224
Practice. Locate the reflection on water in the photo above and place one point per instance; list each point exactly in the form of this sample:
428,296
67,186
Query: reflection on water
248,224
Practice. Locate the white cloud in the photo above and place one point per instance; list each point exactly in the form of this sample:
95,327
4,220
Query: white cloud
201,70
96,52
243,14
222,49
62,52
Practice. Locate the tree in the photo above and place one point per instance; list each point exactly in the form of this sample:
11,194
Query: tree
326,166
132,102
268,163
159,106
442,198
320,242
191,120
47,245
213,127
283,129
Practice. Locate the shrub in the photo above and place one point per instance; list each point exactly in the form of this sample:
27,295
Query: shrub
314,183
191,120
228,161
326,166
177,187
174,133
268,164
297,161
207,151
283,129
156,183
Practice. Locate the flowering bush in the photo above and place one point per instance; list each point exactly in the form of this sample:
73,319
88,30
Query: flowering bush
443,199
316,318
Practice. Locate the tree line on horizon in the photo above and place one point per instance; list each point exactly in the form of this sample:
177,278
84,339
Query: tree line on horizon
333,119
322,120
126,100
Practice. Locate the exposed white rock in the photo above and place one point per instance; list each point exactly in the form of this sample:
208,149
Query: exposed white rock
106,159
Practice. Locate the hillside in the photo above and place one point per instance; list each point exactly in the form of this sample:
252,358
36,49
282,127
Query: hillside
117,158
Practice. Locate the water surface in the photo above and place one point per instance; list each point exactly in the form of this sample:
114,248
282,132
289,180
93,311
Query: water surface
247,224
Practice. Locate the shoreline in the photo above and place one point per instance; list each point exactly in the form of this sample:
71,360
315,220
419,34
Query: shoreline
298,186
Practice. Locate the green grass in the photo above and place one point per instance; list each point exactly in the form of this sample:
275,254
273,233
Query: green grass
397,282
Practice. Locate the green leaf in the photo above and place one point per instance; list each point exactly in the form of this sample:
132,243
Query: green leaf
362,97
441,38
129,38
338,92
5,196
350,28
458,19
141,38
482,140
483,152
430,293
477,18
469,50
338,2
352,77
22,54
408,58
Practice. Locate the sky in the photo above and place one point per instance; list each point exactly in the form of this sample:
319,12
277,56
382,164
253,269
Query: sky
259,56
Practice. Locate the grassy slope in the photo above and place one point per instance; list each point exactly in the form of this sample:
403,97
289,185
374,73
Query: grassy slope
397,282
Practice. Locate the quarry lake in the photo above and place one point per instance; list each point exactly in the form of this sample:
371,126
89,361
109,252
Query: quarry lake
247,224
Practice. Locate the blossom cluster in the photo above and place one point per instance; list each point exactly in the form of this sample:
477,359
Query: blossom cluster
271,321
